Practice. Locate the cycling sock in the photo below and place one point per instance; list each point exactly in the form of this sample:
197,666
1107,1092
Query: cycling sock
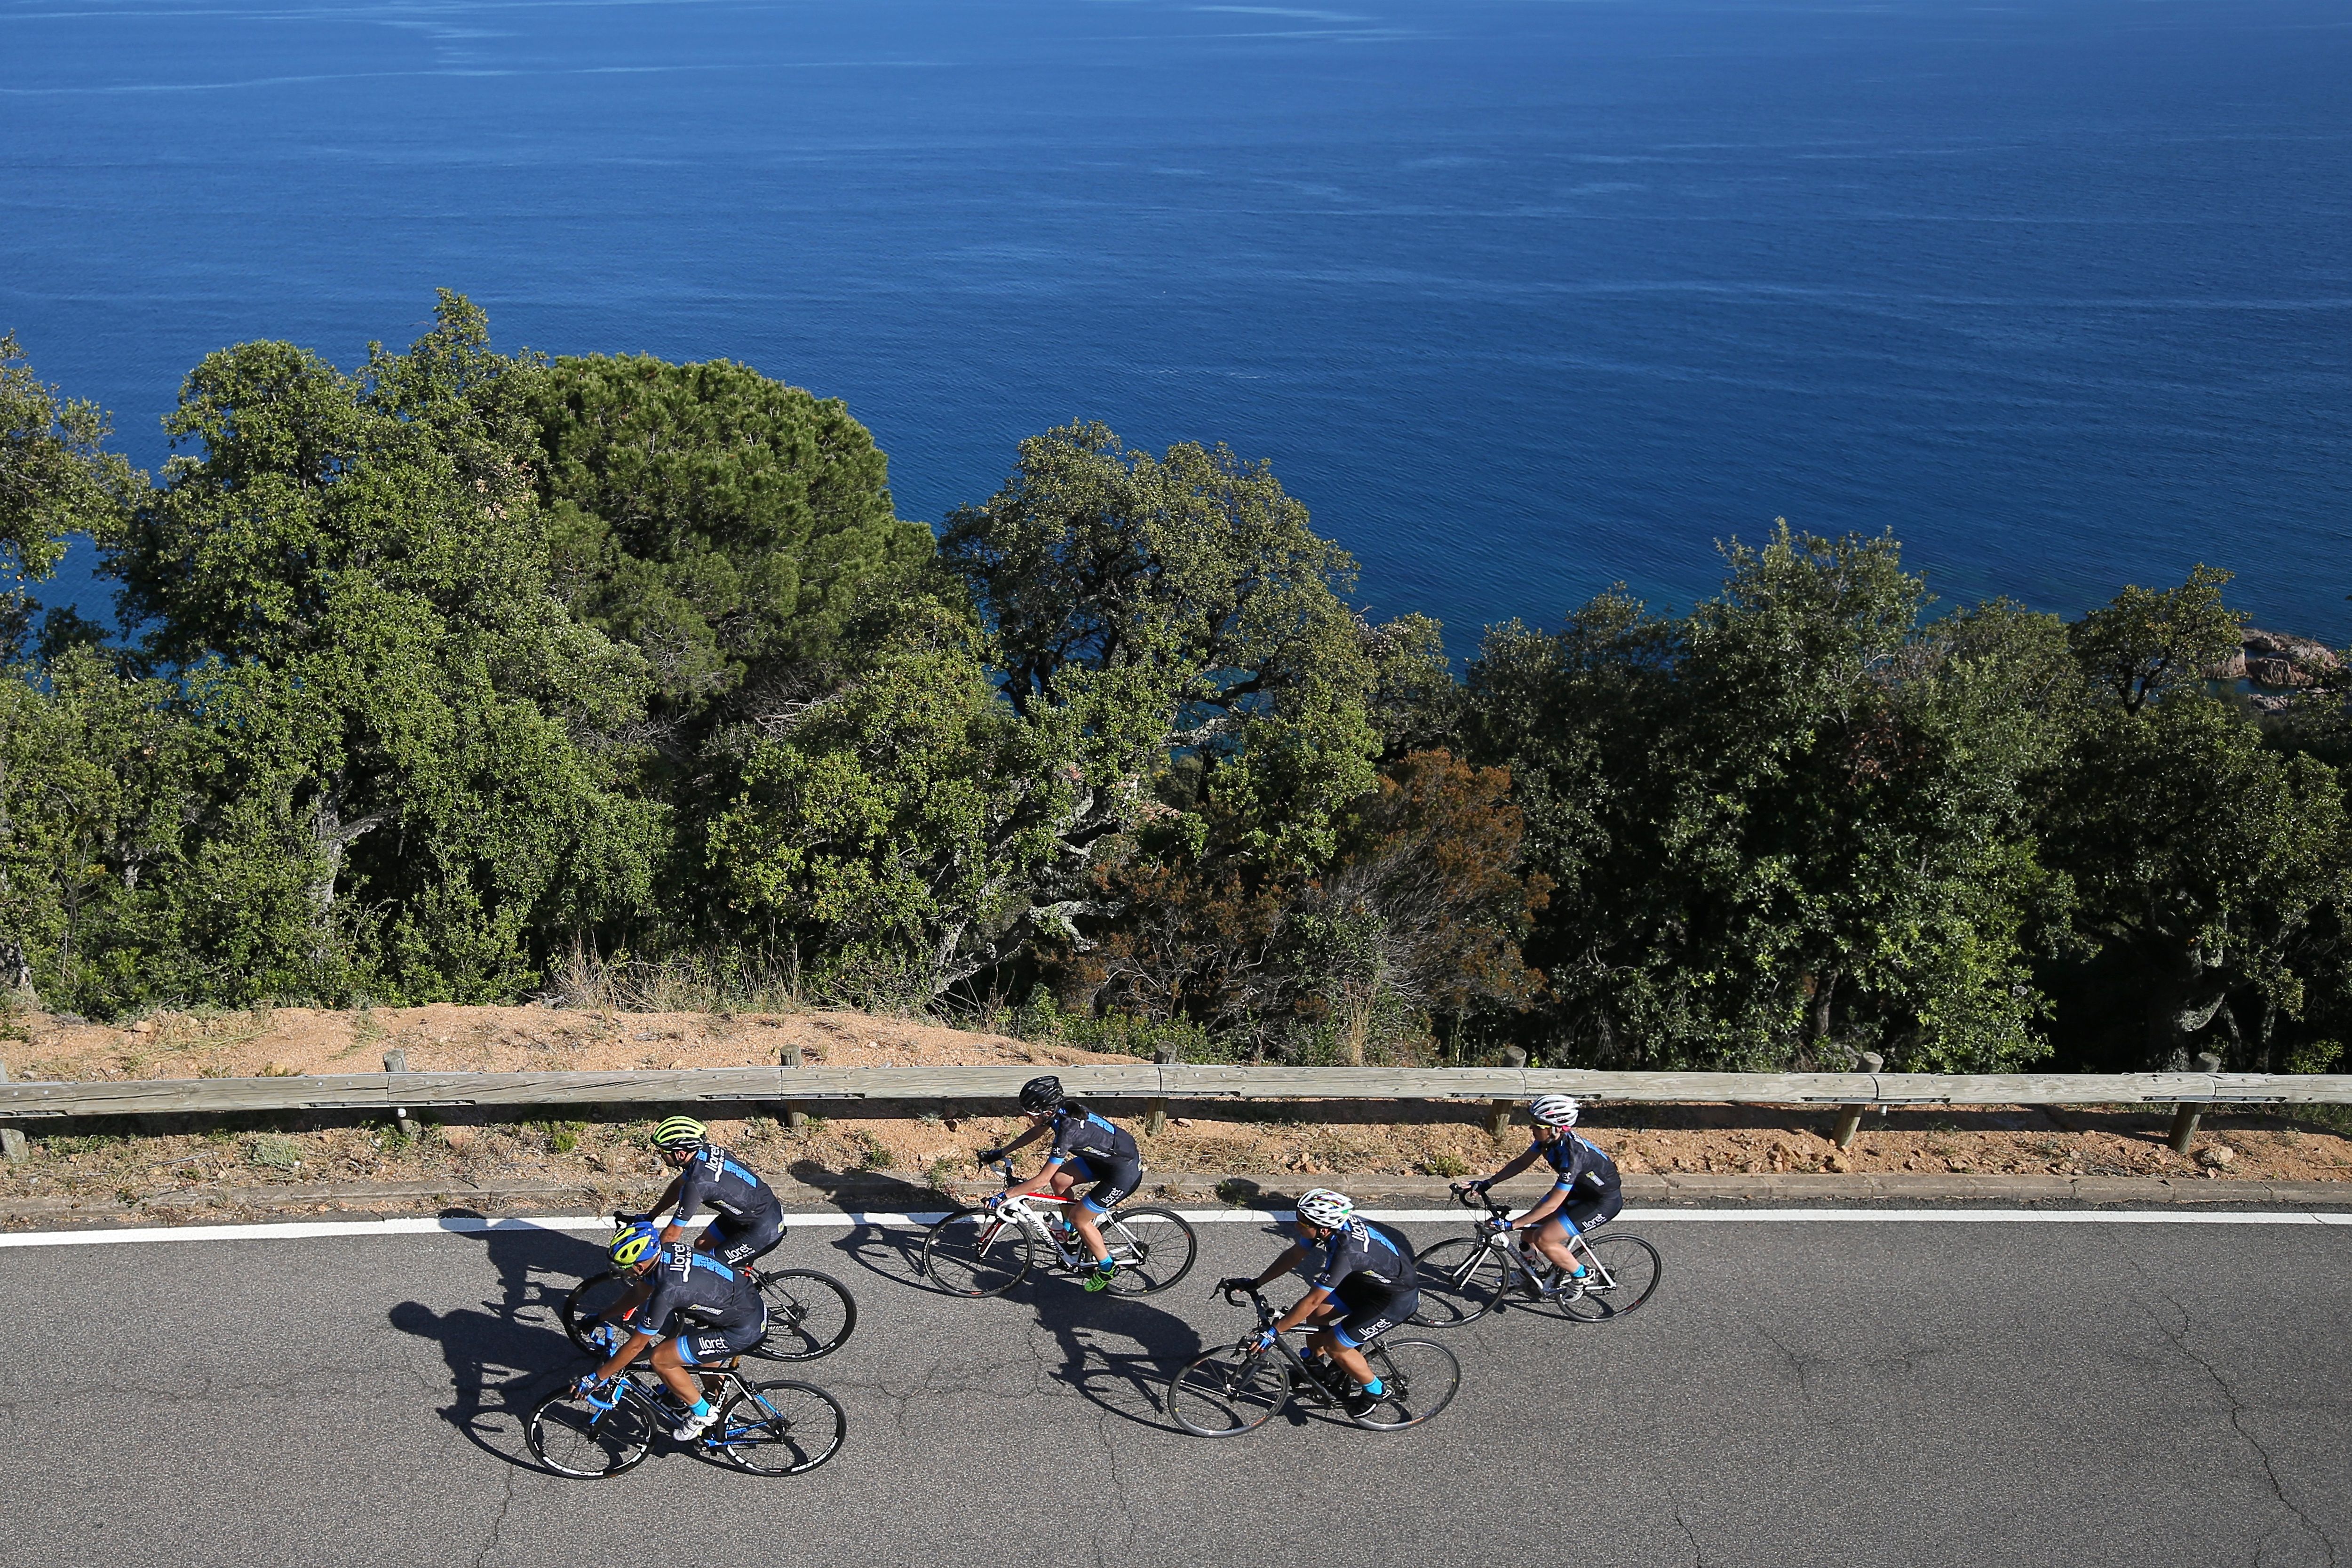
1376,1388
1106,1265
701,1408
1580,1272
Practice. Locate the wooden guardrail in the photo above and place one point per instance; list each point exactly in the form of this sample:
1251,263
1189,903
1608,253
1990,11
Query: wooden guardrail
391,1091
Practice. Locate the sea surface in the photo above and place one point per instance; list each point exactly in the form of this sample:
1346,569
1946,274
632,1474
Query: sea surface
1522,297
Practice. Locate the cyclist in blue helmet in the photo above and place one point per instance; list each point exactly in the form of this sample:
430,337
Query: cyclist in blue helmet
697,1312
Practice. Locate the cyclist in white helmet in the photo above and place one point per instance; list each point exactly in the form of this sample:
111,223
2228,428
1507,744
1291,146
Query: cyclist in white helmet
1587,1194
1365,1286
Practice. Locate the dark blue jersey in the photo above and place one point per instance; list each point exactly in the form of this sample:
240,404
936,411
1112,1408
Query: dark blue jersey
716,1178
1361,1253
702,1288
1097,1142
1581,1167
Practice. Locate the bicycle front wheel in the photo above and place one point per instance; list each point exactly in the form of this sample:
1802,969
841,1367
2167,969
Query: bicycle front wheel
972,1253
1629,1267
1225,1394
1153,1247
572,1438
809,1315
1461,1281
590,1299
779,1429
1418,1379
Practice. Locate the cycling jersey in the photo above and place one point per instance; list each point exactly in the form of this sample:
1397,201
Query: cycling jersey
1360,1260
1584,1170
716,1178
1104,1145
1088,1146
1588,1178
694,1291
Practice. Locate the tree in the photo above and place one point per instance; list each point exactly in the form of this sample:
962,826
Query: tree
348,577
721,522
55,479
2209,864
1781,829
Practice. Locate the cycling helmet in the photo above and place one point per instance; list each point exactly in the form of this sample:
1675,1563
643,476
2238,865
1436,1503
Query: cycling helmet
1553,1110
634,1244
681,1132
1325,1208
1040,1094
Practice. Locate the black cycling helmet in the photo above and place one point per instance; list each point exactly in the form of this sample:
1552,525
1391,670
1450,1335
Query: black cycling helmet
1040,1094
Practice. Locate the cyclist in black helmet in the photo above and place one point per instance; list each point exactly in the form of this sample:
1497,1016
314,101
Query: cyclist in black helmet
1085,1148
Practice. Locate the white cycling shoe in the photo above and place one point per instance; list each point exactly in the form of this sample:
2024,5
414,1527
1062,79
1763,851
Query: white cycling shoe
694,1425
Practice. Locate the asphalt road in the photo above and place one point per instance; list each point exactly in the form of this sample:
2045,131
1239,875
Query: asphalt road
1796,1393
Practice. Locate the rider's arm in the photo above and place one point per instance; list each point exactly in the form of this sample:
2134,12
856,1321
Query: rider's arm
688,1195
629,1352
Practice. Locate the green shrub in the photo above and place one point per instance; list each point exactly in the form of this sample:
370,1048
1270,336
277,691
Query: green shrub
275,1153
1448,1166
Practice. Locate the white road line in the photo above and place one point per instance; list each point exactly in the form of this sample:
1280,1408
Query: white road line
466,1225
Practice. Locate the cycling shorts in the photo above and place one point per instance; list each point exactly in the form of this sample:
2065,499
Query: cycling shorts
738,1242
1370,1315
1113,1183
700,1346
1588,1214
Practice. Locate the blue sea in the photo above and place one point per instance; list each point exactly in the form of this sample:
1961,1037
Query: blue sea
1522,297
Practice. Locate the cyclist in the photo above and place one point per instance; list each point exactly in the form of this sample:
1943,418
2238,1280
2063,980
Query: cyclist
699,1310
1085,1148
1366,1286
1588,1193
750,1219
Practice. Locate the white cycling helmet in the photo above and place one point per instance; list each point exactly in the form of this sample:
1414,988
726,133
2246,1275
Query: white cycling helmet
1553,1110
1325,1208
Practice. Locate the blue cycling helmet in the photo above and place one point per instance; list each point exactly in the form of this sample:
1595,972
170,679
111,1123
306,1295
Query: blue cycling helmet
634,1244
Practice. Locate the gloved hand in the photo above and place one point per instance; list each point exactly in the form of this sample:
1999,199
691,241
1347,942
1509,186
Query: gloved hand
590,1385
1265,1341
989,1157
1235,1282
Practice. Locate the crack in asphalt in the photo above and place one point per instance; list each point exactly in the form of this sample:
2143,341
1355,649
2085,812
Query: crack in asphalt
1698,1553
497,1523
2239,1411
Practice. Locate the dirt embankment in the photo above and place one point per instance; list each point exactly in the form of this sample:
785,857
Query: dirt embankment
1333,1140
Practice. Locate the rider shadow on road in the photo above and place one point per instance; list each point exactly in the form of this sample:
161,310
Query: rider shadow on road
1125,1383
500,1357
891,1252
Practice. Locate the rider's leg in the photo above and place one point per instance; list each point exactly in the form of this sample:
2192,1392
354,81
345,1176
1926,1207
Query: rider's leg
1345,1357
1086,1223
674,1375
1551,1240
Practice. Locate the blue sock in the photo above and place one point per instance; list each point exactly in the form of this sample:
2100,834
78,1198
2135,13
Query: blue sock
1580,1272
1107,1265
701,1408
1376,1388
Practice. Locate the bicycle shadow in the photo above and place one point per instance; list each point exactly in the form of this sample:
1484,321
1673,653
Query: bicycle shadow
889,1252
502,1357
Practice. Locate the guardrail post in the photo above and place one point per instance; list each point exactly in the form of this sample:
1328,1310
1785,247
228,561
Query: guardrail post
1155,1113
790,1057
396,1061
2184,1117
1849,1121
12,1142
1498,1113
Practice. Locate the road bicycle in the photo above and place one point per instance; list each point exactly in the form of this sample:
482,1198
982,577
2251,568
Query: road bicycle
986,1250
1464,1278
776,1428
809,1314
1229,1391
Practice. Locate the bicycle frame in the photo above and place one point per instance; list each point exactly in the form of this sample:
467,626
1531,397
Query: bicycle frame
1515,1259
1020,1211
1300,1368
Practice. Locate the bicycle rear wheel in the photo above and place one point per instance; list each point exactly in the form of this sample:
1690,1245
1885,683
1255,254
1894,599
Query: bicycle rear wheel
779,1429
1419,1378
1225,1394
1632,1265
972,1253
589,1300
1461,1281
809,1315
572,1438
1153,1247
